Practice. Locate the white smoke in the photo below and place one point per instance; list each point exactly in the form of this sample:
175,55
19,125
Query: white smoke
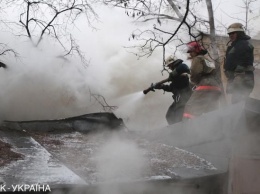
39,85
119,161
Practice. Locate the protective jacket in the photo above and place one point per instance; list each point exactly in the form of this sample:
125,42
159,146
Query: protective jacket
239,55
239,69
177,79
181,90
201,73
206,93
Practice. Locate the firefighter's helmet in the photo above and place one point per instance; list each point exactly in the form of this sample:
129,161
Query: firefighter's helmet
171,60
235,27
194,47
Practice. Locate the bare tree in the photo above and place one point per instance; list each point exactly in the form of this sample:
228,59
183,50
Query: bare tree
214,48
6,50
39,19
170,21
246,15
102,101
55,19
248,9
174,23
213,38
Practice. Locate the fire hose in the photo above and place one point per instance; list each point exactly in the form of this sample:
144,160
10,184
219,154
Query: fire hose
153,86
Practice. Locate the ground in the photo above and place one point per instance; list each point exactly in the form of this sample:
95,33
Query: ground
7,155
81,152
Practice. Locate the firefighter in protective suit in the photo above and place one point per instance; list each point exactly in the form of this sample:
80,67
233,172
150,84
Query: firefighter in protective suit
179,86
238,65
206,88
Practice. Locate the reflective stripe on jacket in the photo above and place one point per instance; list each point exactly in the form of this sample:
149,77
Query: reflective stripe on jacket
208,88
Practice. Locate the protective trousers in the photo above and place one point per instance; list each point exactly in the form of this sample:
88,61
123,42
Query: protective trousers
201,101
175,111
240,85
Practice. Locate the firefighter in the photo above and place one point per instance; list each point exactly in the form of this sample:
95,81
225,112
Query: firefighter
179,86
206,88
238,65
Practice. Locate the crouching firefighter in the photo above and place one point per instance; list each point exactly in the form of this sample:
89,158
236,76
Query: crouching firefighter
179,86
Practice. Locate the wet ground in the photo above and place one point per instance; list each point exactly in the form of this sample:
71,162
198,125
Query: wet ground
78,151
75,158
7,155
82,152
67,154
72,156
34,164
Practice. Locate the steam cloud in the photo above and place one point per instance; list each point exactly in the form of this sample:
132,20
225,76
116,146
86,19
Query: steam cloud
39,85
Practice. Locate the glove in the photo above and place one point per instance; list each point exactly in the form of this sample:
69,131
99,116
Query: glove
158,86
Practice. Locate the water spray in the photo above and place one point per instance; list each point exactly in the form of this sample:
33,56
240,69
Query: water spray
128,104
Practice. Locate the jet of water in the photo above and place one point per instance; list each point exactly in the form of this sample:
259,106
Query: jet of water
128,104
133,97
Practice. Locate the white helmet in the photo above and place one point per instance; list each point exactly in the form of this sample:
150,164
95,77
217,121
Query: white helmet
173,61
235,27
170,60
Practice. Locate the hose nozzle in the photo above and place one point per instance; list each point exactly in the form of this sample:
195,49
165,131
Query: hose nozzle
151,88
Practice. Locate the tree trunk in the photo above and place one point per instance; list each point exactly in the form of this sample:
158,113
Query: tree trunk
215,54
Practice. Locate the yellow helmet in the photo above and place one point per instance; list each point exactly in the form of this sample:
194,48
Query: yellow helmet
235,27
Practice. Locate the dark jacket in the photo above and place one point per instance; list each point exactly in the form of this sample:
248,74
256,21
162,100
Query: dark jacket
239,55
178,81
